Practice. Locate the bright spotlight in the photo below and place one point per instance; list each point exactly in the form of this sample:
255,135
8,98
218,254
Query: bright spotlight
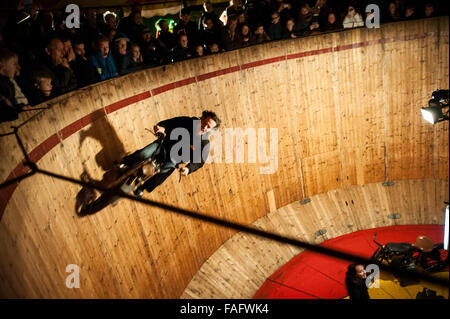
433,113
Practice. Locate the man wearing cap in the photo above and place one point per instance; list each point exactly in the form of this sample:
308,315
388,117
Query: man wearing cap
121,55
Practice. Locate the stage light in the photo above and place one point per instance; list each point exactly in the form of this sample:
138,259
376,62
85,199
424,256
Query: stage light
434,112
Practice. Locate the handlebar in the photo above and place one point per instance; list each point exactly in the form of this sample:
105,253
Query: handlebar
158,135
378,244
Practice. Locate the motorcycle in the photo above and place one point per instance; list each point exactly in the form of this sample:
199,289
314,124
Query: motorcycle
424,254
127,181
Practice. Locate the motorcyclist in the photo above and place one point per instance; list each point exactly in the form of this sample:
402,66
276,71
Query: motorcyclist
186,140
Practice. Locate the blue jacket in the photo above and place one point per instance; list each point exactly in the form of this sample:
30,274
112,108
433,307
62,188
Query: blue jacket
105,67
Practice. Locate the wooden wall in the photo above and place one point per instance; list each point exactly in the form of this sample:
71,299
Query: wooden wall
347,110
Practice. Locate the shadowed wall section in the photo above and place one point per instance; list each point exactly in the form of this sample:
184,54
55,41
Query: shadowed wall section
347,110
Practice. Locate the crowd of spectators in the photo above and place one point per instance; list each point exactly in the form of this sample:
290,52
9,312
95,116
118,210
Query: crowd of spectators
41,58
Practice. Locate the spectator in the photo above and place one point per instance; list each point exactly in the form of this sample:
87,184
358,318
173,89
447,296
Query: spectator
10,106
332,23
210,34
187,27
213,48
41,90
353,19
69,55
165,36
275,29
261,35
121,55
429,10
153,50
134,27
85,72
241,19
246,37
136,56
305,23
230,36
393,14
411,12
63,77
90,29
284,9
320,12
199,50
355,282
234,9
110,22
209,14
289,29
258,12
102,59
125,24
182,51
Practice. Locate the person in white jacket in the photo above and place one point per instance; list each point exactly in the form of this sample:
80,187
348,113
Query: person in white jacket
353,19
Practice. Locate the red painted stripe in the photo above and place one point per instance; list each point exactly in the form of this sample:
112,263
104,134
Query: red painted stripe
309,53
173,85
351,46
90,118
38,152
128,101
217,73
262,62
70,129
76,126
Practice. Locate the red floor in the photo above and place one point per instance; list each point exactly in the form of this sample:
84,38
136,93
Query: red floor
314,276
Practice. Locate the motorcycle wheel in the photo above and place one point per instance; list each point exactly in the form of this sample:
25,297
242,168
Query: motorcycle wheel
435,260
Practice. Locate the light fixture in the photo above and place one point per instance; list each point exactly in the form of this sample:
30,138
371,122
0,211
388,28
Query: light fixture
434,112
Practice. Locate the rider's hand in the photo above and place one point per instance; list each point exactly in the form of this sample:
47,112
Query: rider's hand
184,171
159,129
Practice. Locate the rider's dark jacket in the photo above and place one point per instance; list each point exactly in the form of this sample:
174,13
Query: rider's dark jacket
191,124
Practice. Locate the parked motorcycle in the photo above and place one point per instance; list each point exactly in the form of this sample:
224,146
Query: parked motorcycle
424,254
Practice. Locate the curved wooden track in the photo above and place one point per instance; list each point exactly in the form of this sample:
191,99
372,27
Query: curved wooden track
347,110
243,263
